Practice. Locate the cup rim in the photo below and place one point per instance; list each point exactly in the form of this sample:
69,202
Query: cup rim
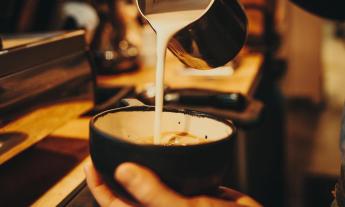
165,109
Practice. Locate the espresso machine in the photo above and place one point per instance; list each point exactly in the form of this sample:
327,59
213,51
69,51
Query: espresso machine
41,72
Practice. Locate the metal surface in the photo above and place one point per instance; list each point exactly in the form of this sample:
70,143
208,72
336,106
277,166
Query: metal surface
43,84
44,72
213,39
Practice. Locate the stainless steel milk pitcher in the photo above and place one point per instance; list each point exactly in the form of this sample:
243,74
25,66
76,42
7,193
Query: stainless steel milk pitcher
212,40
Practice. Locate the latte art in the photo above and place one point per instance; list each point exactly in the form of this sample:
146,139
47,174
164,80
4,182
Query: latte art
171,139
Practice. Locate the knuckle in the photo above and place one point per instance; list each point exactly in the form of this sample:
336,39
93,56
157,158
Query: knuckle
147,191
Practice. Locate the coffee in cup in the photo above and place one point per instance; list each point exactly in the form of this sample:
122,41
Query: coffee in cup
171,139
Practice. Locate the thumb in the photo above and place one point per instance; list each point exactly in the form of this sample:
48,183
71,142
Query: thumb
146,187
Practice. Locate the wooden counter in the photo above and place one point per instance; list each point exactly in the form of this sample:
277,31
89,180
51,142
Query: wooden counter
243,80
10,43
67,146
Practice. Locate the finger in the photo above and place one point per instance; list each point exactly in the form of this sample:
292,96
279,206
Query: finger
103,195
203,201
239,197
146,187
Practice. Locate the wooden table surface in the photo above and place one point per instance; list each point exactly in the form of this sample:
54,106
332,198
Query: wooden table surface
10,43
242,80
67,147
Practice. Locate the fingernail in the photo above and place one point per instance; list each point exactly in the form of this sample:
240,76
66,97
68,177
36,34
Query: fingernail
125,173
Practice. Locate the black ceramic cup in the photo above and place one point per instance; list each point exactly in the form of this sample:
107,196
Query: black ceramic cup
189,170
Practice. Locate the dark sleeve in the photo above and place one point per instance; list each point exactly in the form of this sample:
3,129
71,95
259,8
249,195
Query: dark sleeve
330,9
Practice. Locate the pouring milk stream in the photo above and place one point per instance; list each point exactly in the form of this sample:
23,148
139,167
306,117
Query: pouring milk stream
166,24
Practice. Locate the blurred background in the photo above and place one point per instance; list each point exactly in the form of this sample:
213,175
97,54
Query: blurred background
292,153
